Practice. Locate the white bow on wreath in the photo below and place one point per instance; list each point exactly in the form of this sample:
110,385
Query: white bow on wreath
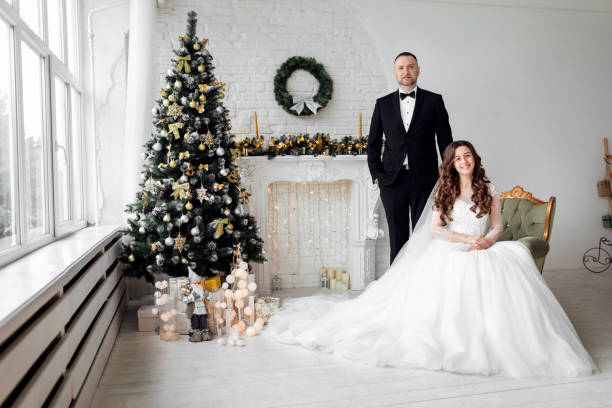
299,103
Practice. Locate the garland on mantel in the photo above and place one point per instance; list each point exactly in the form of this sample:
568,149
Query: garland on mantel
301,145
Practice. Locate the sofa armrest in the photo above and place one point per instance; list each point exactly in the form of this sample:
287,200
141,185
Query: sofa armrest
538,247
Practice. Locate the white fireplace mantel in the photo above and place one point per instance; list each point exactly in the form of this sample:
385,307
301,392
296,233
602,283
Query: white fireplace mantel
257,173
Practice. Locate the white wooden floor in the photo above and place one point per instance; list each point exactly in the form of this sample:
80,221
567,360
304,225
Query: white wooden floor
145,372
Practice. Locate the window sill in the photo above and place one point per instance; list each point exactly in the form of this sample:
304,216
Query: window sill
33,280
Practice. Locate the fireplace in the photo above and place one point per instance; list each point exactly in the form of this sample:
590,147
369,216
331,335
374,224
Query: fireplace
336,213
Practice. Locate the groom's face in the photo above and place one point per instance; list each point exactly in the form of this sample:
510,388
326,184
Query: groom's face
406,71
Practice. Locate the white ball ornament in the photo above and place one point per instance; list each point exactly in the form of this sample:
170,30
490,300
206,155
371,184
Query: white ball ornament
184,100
223,305
247,310
154,111
166,102
142,230
230,279
154,311
184,218
252,286
195,231
169,241
225,285
170,72
178,84
220,151
251,330
157,147
224,172
167,218
158,285
157,294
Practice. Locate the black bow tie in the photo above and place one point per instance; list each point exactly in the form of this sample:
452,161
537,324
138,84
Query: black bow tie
412,94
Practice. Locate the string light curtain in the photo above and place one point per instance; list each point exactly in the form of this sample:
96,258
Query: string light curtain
307,229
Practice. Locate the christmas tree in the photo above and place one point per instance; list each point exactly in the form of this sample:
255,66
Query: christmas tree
190,210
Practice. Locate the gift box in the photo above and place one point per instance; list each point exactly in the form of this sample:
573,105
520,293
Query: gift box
265,307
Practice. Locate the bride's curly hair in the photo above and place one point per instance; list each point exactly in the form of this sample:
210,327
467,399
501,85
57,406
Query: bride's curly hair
449,188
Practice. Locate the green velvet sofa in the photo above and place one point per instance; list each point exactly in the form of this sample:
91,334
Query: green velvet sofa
529,221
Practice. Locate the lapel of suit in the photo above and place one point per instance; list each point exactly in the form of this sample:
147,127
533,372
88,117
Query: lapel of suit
396,113
417,108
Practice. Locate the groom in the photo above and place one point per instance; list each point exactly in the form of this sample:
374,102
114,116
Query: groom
411,120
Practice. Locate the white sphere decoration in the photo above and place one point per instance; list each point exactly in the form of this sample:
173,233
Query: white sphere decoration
170,72
230,279
158,285
252,286
247,310
183,179
244,265
228,293
167,218
157,147
223,305
157,294
184,100
225,285
224,172
195,231
169,241
154,311
178,84
154,111
142,230
250,331
220,151
166,102
184,218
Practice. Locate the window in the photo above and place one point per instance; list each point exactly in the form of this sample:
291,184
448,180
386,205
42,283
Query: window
41,175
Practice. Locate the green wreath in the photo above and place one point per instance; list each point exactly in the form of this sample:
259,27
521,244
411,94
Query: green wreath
285,99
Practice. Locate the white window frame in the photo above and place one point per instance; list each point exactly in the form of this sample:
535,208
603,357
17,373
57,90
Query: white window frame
52,67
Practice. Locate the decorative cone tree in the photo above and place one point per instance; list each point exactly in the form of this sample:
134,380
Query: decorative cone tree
190,211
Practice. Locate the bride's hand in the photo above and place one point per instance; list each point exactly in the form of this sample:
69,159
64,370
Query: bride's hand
484,243
473,239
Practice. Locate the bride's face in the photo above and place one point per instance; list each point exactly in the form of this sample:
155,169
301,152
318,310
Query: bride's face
464,161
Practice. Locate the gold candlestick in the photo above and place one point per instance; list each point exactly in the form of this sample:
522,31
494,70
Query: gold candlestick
256,127
360,127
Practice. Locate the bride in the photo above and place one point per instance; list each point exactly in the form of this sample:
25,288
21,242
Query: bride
454,299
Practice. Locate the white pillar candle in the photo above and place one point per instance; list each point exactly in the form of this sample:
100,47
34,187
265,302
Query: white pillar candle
228,321
332,284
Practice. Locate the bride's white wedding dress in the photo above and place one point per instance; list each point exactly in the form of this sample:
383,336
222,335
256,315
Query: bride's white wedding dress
441,307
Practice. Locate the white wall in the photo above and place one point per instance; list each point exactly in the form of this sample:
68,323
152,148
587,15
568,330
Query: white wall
526,81
528,84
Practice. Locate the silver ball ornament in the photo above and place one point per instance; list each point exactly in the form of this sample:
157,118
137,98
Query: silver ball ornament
157,147
184,101
224,172
167,218
170,72
169,241
178,84
220,151
166,102
195,231
142,230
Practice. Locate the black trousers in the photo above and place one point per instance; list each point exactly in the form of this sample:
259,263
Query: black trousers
199,321
399,199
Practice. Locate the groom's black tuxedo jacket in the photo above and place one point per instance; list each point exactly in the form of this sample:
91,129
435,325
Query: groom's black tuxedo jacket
429,120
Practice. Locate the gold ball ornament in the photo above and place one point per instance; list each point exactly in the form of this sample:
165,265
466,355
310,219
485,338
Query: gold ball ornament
221,95
202,98
184,260
230,226
193,104
201,68
173,164
178,84
167,218
171,98
189,206
227,212
201,147
197,46
131,258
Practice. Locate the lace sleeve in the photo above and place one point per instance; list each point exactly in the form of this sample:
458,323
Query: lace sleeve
440,231
495,217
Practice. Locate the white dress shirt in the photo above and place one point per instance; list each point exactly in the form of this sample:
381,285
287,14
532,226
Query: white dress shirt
407,109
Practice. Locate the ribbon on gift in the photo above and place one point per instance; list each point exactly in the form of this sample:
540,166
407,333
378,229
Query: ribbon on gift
220,223
174,128
300,102
180,191
183,63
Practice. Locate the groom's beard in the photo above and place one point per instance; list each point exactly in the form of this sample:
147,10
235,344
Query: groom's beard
407,82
